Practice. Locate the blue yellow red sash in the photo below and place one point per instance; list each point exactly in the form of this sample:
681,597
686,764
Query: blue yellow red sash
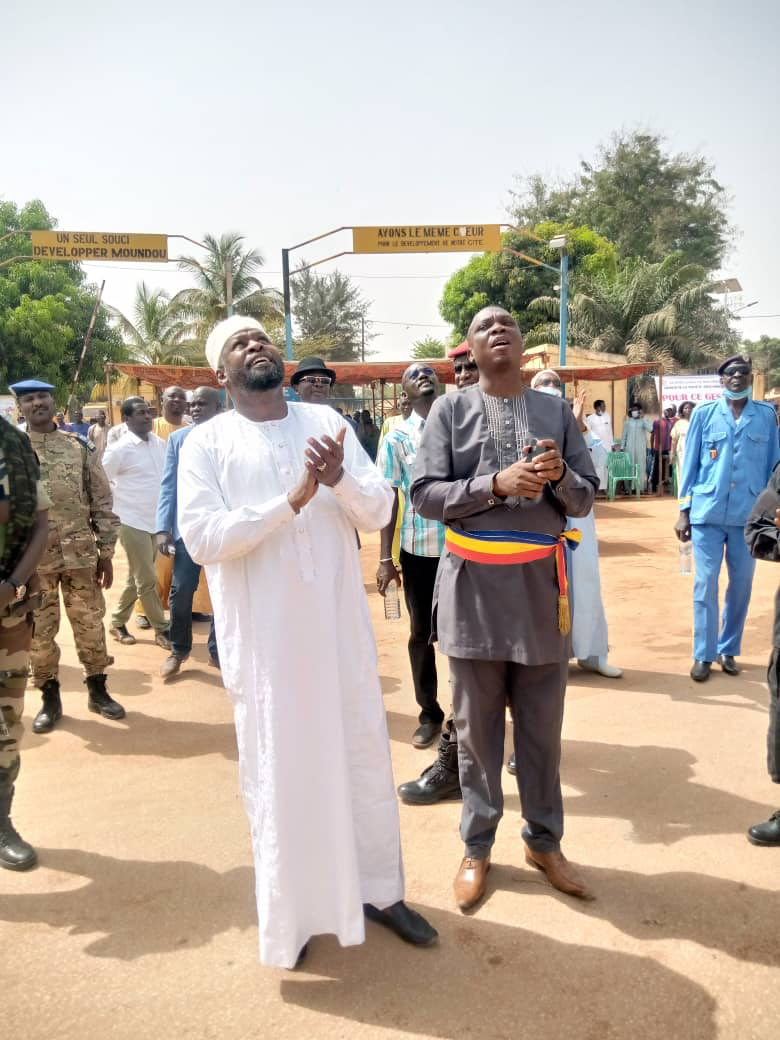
505,547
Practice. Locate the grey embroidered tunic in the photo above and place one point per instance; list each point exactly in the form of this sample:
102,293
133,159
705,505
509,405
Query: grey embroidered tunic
503,612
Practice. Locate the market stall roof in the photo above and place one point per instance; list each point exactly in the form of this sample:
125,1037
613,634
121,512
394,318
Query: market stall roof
362,373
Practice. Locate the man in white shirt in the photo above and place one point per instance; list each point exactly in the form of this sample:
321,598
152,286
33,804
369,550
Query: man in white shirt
600,425
134,465
269,496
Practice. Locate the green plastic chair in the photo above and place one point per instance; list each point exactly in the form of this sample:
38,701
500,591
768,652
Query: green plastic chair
620,467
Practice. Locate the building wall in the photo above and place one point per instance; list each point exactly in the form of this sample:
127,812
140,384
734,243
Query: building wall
614,393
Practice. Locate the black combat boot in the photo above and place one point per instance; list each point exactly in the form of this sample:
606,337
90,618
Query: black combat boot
100,700
15,853
440,780
51,708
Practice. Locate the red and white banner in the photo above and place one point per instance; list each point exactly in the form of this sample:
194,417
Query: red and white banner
698,389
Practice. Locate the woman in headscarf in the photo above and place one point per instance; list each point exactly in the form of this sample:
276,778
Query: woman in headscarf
23,534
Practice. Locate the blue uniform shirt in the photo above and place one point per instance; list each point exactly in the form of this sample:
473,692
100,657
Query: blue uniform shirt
727,463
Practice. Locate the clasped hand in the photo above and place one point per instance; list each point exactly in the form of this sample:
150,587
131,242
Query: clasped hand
324,462
527,479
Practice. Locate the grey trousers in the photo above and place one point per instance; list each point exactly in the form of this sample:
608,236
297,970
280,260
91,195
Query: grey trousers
480,691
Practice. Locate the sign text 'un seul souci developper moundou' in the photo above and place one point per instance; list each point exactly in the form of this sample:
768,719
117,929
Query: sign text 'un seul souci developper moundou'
428,238
98,245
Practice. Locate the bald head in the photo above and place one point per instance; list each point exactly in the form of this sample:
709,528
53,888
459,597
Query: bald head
420,381
483,315
495,340
174,404
205,404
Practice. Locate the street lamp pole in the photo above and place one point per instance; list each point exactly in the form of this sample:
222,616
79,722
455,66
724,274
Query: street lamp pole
559,242
564,338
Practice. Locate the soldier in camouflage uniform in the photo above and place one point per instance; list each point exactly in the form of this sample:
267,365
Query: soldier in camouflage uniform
78,561
23,507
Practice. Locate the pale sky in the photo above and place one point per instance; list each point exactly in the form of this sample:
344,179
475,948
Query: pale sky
284,120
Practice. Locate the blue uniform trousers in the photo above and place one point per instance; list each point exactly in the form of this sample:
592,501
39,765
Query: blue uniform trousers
709,541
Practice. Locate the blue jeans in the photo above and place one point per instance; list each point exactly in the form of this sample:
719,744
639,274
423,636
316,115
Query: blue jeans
186,575
709,543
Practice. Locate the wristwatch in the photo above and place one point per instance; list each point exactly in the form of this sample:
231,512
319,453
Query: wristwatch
19,587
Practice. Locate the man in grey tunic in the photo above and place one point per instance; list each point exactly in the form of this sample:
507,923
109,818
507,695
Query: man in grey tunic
502,466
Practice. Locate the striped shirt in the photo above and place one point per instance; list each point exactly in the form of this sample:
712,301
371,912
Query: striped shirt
419,536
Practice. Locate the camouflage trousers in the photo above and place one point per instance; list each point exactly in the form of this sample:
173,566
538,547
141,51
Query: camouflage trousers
15,638
85,607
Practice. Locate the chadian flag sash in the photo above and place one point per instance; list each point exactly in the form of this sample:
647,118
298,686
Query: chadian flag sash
511,547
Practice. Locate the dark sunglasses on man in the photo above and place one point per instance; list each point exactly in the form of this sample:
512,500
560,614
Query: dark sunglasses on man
421,370
737,370
316,380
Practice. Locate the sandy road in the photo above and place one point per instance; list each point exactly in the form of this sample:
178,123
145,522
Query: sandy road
141,920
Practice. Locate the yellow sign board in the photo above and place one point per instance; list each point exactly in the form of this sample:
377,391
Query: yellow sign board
428,238
99,245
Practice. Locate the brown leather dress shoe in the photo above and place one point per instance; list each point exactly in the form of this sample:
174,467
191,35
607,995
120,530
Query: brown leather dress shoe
469,884
560,873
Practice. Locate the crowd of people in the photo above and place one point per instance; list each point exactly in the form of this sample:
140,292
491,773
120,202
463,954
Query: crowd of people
483,498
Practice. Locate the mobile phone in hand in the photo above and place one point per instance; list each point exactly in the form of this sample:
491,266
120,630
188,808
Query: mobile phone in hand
533,450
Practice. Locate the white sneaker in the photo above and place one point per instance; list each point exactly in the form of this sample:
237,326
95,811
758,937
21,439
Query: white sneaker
602,666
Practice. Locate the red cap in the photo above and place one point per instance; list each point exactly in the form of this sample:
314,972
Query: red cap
462,348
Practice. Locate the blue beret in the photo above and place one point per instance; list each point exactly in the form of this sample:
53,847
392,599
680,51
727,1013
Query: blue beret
736,359
29,386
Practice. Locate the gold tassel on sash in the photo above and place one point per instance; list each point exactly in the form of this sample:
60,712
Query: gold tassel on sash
564,610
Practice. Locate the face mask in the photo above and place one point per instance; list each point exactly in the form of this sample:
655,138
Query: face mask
635,415
553,391
738,395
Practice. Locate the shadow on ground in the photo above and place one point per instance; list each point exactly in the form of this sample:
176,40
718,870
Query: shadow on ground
508,976
717,913
511,982
611,548
719,691
139,734
652,788
138,907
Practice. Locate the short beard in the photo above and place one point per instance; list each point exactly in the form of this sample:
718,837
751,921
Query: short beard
265,377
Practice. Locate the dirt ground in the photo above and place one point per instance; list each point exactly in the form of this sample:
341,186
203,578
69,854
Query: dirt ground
141,920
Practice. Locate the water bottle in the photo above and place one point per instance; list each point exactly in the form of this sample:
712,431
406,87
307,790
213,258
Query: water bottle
392,602
685,552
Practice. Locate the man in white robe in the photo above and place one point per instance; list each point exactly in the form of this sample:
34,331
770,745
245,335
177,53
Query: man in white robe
589,635
600,426
269,497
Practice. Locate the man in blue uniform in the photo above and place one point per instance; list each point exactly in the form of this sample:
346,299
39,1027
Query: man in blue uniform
730,452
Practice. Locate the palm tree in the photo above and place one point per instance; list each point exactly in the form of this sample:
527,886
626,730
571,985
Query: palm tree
647,311
427,348
158,333
206,303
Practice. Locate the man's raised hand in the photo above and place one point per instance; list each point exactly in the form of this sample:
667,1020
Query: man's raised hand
325,458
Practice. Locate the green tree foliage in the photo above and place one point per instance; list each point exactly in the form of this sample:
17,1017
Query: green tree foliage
206,304
765,353
158,333
508,280
428,347
648,201
45,309
649,312
330,314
